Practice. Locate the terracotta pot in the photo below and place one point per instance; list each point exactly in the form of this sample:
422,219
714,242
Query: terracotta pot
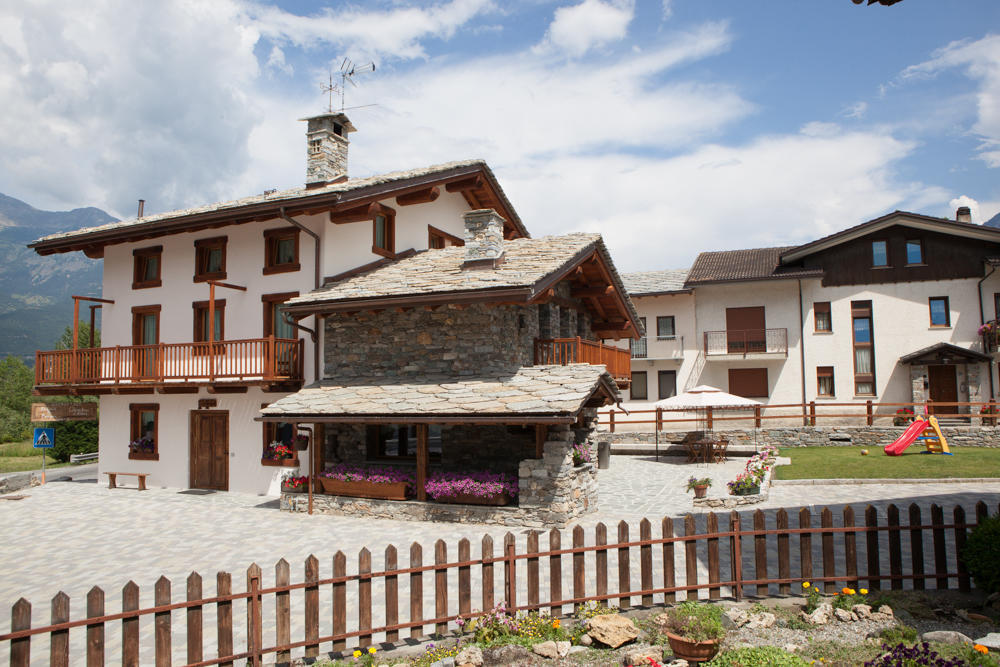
470,499
701,491
390,491
691,651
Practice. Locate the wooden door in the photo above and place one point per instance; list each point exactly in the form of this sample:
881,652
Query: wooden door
943,387
210,449
745,330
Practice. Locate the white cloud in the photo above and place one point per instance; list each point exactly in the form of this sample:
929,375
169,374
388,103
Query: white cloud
577,29
856,110
668,9
980,59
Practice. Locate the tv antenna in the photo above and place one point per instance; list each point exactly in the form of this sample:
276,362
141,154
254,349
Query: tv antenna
348,70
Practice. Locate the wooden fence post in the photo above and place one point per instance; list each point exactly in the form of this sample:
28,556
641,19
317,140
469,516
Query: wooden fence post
690,558
601,560
416,591
872,550
95,632
895,548
59,640
812,413
224,613
579,568
940,553
712,526
311,592
509,573
531,567
805,546
464,578
282,610
756,416
624,573
646,562
961,532
339,591
669,580
20,619
194,619
130,626
659,419
916,548
869,417
255,625
760,552
850,549
784,552
829,564
611,423
736,554
487,572
364,598
440,586
555,572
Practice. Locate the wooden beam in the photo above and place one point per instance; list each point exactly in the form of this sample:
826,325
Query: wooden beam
471,183
541,433
94,252
364,213
424,196
599,290
134,390
166,389
227,389
422,458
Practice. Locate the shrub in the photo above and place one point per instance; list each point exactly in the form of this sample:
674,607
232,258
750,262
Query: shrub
981,554
73,438
695,621
757,655
898,634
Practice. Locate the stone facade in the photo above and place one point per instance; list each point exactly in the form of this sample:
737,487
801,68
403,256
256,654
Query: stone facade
326,150
967,378
483,237
819,436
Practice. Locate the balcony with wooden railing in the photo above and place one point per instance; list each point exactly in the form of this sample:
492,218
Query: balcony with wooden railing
563,351
747,343
262,361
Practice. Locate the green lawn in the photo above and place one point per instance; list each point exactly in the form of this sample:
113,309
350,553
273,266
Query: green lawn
21,456
848,463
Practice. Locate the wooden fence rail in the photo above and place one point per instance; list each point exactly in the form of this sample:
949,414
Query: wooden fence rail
731,561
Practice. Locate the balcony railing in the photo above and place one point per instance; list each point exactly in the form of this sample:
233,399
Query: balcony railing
746,342
263,359
562,351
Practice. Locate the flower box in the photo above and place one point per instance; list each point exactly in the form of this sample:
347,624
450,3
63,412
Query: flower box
496,499
282,463
751,491
387,491
144,456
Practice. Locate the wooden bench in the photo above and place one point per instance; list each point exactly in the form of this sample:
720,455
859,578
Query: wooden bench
141,475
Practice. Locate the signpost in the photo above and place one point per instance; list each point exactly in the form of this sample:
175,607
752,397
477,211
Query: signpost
61,412
44,438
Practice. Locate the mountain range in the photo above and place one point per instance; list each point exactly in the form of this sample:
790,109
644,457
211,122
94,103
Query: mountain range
35,291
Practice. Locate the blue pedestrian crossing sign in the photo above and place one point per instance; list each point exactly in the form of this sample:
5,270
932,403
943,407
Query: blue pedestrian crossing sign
45,438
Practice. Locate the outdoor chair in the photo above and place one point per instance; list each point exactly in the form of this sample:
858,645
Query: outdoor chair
690,443
719,451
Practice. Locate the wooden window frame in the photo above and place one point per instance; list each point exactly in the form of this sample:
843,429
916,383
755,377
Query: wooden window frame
200,309
645,384
390,232
201,249
447,240
825,372
270,302
268,433
673,325
863,310
767,382
375,452
920,245
135,429
947,312
272,237
139,311
888,263
139,258
822,307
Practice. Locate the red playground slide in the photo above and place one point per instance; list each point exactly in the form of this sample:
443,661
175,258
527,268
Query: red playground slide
909,436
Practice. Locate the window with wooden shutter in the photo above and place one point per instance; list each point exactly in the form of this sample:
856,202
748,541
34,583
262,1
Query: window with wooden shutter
748,382
638,389
822,323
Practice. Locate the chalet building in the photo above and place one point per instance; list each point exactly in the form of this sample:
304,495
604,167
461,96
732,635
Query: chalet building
358,289
889,310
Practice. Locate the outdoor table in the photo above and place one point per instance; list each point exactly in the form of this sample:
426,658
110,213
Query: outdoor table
706,448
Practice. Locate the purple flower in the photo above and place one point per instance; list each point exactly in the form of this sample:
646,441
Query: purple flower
480,484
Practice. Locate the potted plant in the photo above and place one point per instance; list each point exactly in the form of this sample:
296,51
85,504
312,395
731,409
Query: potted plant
279,454
694,630
142,449
700,486
373,481
581,455
903,417
301,442
988,414
294,484
472,488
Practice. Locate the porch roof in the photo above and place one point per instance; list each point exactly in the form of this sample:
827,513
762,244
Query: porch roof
532,394
943,353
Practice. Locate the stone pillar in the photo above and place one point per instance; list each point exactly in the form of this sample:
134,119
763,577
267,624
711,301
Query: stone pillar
918,375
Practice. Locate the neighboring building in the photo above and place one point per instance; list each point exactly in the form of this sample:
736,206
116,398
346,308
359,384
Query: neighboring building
888,311
198,339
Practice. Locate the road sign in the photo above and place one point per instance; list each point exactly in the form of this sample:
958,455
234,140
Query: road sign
61,412
45,438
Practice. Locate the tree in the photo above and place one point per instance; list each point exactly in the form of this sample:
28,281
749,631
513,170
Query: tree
15,399
65,341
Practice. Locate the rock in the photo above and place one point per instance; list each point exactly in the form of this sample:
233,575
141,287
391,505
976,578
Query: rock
761,621
677,663
862,610
946,637
641,656
612,630
585,640
886,610
962,614
736,616
562,648
791,648
990,641
573,650
510,654
470,655
444,662
820,616
546,650
842,615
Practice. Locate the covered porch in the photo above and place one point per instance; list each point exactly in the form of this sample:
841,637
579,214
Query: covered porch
947,374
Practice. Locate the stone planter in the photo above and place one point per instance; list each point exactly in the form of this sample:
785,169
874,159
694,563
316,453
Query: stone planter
470,499
701,491
691,651
280,463
390,491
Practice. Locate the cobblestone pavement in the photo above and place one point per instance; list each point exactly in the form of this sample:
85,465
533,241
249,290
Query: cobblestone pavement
71,536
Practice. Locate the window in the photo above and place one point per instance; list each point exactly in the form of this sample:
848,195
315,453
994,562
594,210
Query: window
667,384
864,348
638,390
748,382
822,323
201,323
146,267
638,345
400,441
281,250
438,238
274,324
665,326
940,313
384,233
914,252
210,259
824,381
880,253
143,440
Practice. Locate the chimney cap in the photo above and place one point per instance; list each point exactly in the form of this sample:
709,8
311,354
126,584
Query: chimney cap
963,214
336,116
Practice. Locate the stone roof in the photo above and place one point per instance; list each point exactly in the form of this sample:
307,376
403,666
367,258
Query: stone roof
655,282
527,391
751,264
279,197
935,352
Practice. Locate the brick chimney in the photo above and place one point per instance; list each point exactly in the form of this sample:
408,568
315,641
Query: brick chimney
483,239
326,151
963,214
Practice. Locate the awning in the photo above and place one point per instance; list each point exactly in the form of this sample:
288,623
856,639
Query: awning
944,353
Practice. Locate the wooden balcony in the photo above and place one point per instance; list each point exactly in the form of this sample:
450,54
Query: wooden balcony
562,351
232,363
746,343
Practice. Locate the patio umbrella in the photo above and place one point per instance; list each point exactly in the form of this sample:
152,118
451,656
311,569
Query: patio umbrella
703,397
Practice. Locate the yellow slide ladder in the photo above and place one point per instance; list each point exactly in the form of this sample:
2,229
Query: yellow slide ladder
937,443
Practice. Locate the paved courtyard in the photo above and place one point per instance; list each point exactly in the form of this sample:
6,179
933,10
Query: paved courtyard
71,536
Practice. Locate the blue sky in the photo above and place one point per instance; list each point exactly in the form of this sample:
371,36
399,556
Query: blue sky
670,126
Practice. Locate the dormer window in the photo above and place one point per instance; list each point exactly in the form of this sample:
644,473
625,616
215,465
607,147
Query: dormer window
880,254
438,239
146,267
914,252
210,259
384,233
281,250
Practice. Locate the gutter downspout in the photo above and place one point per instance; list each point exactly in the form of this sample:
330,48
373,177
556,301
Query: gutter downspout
314,333
982,321
802,354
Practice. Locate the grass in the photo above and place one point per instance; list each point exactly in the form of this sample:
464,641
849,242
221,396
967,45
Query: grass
848,463
21,456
